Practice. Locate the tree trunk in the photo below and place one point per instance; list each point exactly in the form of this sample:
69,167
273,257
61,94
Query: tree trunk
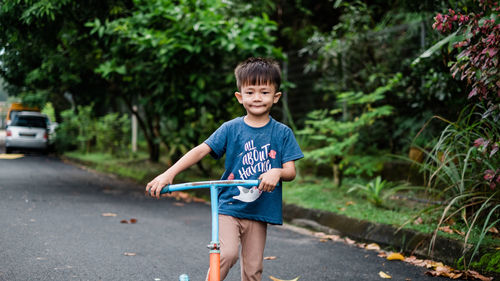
148,131
337,177
154,152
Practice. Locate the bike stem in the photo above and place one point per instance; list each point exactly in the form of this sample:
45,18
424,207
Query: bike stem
214,270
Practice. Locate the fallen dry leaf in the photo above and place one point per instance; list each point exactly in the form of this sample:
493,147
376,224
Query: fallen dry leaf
133,220
124,221
349,241
443,270
446,229
395,257
128,254
108,214
476,275
413,260
198,200
373,247
493,230
436,264
332,237
182,195
382,254
450,230
361,245
418,221
349,203
324,237
270,258
276,279
384,275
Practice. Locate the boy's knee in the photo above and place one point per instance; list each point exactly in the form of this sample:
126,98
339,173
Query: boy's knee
229,256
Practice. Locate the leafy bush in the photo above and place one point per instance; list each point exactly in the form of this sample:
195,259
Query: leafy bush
86,127
113,133
67,132
81,130
334,139
77,129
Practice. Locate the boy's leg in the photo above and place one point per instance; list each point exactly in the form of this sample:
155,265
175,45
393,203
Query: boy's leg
229,237
253,242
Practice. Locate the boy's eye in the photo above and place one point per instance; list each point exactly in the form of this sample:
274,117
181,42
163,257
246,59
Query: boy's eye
265,93
249,93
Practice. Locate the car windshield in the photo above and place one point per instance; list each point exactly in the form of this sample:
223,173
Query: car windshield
30,121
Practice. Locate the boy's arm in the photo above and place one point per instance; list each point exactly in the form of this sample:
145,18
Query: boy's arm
189,159
270,179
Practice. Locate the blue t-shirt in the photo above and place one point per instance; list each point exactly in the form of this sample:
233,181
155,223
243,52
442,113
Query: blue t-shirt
251,152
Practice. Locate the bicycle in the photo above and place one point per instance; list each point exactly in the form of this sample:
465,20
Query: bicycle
214,246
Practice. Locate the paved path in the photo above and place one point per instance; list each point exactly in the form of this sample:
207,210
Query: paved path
52,228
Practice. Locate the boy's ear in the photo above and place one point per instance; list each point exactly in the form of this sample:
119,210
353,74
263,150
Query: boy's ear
239,97
277,97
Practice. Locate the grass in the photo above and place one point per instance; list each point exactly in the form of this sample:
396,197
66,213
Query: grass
320,194
132,167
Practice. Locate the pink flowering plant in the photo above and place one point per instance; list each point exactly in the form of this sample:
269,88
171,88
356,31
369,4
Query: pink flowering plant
477,60
464,165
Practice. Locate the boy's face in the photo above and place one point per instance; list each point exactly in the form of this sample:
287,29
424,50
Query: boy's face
258,99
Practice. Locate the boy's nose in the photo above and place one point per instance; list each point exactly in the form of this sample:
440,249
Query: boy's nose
258,96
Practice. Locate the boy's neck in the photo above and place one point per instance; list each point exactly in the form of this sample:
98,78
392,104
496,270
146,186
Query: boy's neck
256,121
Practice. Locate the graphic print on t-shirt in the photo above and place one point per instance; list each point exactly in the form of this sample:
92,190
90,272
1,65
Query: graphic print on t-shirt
255,160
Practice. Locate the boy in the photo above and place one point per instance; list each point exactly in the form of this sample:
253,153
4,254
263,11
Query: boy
256,147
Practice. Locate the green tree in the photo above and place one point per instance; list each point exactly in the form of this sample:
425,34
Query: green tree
367,47
173,60
48,52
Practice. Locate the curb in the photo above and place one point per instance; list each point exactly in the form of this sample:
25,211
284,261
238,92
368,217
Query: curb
405,240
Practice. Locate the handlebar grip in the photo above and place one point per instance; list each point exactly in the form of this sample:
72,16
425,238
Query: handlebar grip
165,189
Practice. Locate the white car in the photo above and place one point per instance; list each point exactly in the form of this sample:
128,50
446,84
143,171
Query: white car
29,130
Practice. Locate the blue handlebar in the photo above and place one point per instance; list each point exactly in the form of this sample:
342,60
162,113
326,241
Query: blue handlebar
208,184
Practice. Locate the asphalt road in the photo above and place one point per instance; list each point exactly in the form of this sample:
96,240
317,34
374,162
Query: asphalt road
52,228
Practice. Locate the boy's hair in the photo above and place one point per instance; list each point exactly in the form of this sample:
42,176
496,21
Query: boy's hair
258,71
